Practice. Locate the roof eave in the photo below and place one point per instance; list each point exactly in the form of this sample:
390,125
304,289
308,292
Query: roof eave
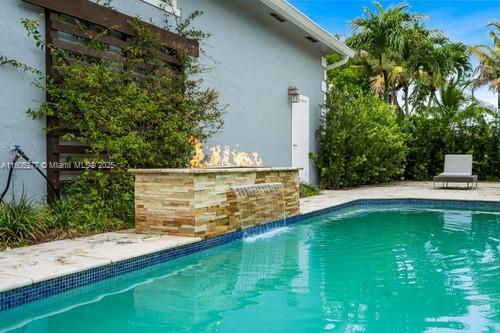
293,15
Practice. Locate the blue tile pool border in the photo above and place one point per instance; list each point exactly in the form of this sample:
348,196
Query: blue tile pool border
36,291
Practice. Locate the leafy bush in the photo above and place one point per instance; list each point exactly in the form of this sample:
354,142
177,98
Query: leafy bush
437,131
360,139
61,213
19,222
307,190
26,222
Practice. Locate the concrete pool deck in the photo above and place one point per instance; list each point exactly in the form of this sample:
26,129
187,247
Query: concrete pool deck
27,265
487,191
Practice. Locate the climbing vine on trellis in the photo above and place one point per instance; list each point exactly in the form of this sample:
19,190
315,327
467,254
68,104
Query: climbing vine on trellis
138,112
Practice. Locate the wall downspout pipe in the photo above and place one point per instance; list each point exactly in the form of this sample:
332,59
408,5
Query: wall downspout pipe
339,63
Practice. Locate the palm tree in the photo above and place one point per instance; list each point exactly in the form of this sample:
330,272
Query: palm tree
384,34
434,60
392,82
451,97
488,71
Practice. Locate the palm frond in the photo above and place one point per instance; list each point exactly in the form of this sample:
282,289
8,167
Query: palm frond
377,84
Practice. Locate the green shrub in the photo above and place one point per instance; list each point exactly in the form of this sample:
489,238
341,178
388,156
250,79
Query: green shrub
25,222
463,127
60,215
20,222
360,139
109,195
308,190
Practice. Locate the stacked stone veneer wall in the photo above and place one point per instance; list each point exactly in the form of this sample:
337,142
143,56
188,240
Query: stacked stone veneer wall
200,202
258,205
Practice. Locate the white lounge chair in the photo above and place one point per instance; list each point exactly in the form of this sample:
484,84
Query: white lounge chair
457,169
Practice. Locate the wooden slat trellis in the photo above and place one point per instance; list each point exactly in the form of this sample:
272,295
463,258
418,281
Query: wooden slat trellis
64,20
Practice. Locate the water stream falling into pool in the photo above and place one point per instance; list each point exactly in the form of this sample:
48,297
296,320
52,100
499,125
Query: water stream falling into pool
243,192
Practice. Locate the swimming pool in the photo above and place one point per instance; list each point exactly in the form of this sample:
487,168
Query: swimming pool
372,268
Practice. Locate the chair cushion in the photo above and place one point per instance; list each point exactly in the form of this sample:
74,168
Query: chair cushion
458,164
454,177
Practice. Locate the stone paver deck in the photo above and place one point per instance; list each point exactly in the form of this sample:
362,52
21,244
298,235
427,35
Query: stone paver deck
418,190
30,264
23,266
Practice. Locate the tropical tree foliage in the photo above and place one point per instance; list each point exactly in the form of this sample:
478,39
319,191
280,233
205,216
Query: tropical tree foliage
425,78
406,57
488,71
456,124
383,34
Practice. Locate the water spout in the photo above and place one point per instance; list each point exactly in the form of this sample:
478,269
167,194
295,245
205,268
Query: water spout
245,192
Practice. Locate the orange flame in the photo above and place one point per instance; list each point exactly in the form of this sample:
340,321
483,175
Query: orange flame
197,160
220,158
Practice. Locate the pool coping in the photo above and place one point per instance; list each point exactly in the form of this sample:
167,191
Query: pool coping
38,290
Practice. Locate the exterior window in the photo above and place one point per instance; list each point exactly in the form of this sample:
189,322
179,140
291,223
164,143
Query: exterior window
169,6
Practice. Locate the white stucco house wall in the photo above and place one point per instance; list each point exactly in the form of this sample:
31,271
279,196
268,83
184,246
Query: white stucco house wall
257,50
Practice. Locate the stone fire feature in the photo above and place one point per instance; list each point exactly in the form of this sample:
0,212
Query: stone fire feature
203,202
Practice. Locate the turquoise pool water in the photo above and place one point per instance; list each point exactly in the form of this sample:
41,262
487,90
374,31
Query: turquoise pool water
361,270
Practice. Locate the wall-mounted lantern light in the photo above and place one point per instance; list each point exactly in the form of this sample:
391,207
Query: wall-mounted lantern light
294,94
